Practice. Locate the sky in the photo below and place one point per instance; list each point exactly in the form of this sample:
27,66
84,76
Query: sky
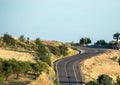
60,20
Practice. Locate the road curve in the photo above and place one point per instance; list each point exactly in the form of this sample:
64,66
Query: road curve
68,72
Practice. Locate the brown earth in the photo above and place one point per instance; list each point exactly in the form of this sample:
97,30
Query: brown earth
106,63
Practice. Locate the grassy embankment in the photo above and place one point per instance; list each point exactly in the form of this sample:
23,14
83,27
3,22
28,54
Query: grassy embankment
106,63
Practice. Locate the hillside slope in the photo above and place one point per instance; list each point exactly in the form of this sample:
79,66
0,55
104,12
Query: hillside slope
106,63
22,56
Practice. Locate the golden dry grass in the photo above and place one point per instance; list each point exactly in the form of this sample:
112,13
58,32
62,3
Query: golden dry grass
43,79
106,63
22,56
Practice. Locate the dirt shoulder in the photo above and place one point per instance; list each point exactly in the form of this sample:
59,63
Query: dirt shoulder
106,63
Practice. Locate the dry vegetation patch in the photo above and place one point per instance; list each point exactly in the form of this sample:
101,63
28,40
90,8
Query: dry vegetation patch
106,63
22,56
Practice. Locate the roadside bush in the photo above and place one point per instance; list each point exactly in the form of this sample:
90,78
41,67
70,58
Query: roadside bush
46,59
63,50
92,83
104,80
54,50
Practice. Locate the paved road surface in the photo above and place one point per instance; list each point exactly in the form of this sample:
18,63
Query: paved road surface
68,72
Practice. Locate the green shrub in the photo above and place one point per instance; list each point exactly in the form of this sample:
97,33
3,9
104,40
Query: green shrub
1,77
118,81
63,50
55,50
92,83
39,67
104,80
8,39
22,38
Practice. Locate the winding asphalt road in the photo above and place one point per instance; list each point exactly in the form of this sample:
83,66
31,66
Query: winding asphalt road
68,69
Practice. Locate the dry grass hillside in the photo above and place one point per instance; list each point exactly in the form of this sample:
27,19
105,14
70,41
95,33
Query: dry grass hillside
13,48
106,63
22,56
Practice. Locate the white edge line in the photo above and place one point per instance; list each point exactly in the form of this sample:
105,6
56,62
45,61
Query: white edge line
82,51
57,72
75,73
65,66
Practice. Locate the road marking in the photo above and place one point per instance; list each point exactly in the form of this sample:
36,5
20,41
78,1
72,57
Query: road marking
65,71
57,72
65,66
75,73
82,51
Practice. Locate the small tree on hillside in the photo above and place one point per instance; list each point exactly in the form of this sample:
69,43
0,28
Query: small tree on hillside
116,36
38,67
42,52
22,38
104,80
37,41
7,69
17,67
8,39
63,50
28,40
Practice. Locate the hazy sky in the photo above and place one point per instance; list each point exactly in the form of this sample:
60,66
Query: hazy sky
62,20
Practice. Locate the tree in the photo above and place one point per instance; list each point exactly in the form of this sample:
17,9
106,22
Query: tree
22,38
116,36
85,41
101,42
28,40
37,41
63,50
104,80
55,50
42,52
38,67
17,67
8,39
27,67
7,69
